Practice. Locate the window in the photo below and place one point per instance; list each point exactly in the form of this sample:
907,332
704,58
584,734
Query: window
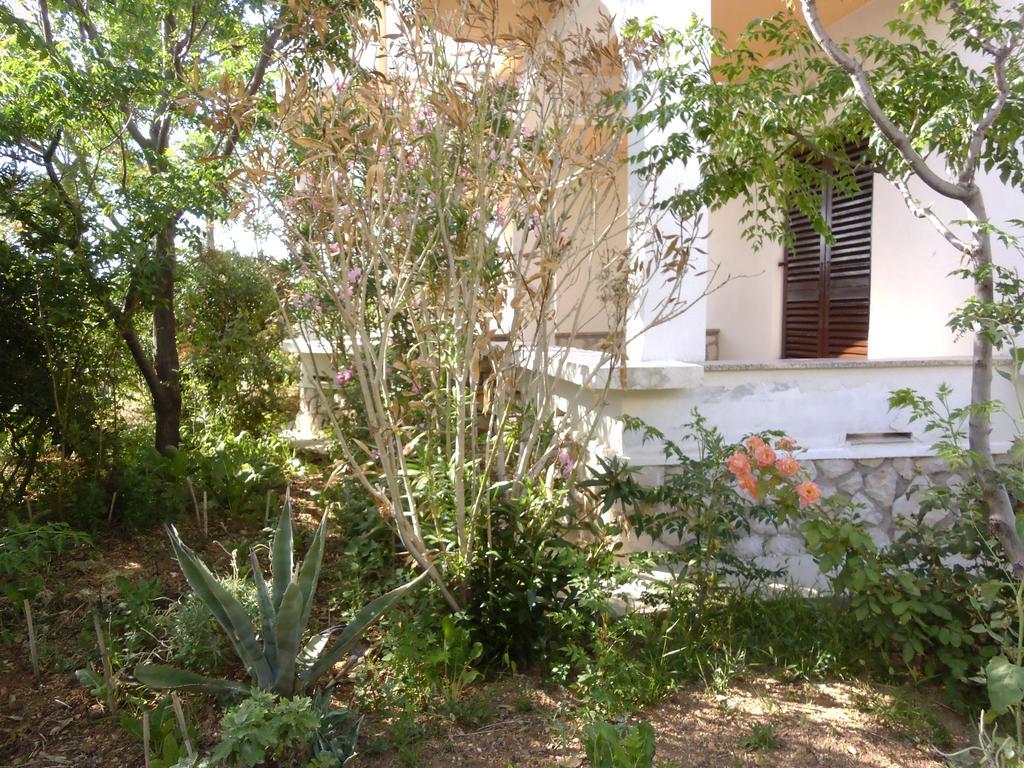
827,286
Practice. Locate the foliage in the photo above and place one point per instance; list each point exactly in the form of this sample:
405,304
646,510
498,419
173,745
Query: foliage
124,127
619,745
233,367
762,738
194,638
264,728
60,362
164,734
696,510
280,664
27,551
535,588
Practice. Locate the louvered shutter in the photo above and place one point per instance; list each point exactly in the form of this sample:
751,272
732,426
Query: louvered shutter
827,287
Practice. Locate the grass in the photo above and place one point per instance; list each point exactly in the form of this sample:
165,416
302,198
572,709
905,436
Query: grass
763,737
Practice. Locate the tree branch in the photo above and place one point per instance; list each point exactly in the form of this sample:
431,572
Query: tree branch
978,136
925,212
899,139
44,19
86,25
255,81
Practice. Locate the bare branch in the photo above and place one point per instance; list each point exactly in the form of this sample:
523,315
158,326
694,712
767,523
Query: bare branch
925,212
899,139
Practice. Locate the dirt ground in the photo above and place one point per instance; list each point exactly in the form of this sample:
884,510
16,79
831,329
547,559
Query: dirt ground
813,724
53,721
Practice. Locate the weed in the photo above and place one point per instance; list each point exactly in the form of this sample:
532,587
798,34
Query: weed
904,717
762,737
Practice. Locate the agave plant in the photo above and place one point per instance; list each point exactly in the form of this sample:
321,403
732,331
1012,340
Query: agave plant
275,656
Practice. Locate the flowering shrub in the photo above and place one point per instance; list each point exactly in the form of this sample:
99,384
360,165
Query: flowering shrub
768,473
438,214
710,500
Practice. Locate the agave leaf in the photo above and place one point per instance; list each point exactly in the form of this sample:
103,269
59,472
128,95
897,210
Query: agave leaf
288,634
281,554
267,612
355,628
309,573
161,676
225,608
312,650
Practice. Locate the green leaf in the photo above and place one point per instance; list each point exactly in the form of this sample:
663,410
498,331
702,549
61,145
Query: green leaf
359,624
225,608
282,552
267,612
288,634
163,677
309,573
1005,684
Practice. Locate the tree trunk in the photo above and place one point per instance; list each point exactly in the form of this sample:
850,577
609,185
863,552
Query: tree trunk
1001,517
167,403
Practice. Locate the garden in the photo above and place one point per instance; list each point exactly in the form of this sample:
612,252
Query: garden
451,570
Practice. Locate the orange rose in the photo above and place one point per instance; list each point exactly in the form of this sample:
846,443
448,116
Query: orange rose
786,444
764,455
748,484
787,466
739,464
754,442
808,492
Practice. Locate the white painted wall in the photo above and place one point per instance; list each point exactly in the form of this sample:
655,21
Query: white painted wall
819,403
911,295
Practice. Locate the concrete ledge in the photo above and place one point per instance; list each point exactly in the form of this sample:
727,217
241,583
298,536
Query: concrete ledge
593,370
832,363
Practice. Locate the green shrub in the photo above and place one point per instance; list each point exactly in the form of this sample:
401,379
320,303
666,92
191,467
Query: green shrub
26,553
194,637
619,745
274,656
233,368
263,729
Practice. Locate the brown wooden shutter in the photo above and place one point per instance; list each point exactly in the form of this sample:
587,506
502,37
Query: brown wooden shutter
827,287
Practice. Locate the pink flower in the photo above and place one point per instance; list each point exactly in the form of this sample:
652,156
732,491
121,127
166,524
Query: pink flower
753,442
764,455
535,222
416,387
344,377
343,211
748,484
334,248
808,492
739,464
564,461
787,466
354,275
786,444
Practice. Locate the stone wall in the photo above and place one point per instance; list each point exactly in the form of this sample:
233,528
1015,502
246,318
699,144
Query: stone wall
885,489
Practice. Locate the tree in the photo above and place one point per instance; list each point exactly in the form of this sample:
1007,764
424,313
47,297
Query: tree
128,115
933,108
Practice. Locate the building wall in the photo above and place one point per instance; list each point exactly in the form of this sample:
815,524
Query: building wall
911,293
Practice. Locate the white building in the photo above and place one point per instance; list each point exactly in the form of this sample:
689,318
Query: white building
749,359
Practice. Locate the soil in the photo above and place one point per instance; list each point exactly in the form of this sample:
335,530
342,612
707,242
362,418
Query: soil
51,720
814,725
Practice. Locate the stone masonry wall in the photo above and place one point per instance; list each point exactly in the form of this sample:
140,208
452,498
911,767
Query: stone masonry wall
885,489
